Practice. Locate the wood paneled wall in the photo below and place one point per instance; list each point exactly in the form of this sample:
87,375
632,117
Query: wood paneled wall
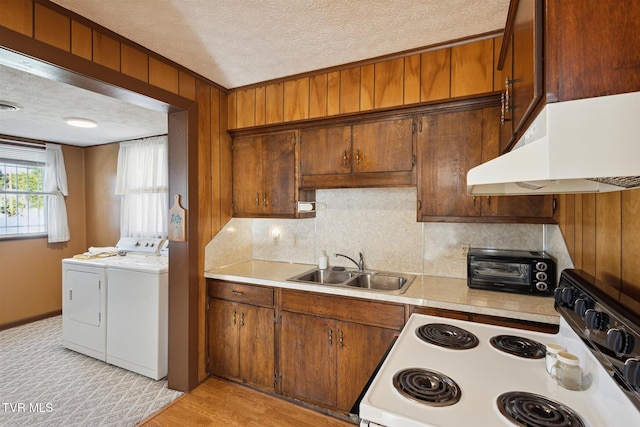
602,233
433,75
64,31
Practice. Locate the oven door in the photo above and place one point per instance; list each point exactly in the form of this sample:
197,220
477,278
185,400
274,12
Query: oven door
493,272
354,413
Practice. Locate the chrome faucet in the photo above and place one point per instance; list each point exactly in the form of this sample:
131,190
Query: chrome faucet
359,264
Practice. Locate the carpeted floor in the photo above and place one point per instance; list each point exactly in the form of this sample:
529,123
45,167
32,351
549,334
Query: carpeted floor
44,384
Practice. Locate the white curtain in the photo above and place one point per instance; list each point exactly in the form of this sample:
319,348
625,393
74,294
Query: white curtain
143,181
55,183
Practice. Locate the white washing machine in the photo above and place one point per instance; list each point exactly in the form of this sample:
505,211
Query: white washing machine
116,308
137,321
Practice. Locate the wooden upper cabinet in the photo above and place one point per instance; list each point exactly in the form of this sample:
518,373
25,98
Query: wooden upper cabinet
472,68
375,153
449,144
264,181
384,146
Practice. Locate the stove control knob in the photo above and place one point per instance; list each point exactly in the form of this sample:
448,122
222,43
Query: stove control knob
581,306
632,372
564,296
619,341
596,320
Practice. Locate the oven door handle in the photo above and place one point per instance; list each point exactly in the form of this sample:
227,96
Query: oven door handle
354,413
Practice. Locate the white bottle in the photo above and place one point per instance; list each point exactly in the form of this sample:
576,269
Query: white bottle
323,261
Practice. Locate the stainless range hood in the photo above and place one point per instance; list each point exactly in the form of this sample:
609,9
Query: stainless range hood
583,146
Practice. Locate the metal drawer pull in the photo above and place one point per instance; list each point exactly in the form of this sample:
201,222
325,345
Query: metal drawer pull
257,199
330,337
241,319
341,340
264,200
234,317
237,293
344,158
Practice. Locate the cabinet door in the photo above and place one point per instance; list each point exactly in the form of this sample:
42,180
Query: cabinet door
527,61
508,206
360,349
257,345
308,357
278,165
247,175
384,146
449,144
325,151
223,339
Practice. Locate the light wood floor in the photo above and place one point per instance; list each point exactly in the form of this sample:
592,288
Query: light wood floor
221,403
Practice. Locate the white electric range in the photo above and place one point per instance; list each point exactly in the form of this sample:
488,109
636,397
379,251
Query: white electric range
468,385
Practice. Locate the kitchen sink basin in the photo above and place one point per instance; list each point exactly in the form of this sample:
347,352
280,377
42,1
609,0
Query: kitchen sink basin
368,280
327,276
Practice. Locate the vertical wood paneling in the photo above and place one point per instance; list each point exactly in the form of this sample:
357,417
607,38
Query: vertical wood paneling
435,76
260,106
350,90
296,99
631,245
367,82
215,165
412,79
52,28
187,85
274,102
225,163
318,96
163,75
577,260
389,83
135,63
17,15
472,68
589,233
333,93
81,40
231,108
246,105
203,97
608,238
106,51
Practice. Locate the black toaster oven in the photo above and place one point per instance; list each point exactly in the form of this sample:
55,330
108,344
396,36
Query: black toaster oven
526,272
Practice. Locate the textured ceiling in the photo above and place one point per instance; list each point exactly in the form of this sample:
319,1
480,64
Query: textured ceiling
234,43
240,42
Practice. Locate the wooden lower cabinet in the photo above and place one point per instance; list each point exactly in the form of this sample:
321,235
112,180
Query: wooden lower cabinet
330,346
242,338
328,362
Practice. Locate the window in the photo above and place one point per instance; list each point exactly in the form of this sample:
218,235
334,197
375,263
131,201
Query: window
23,202
143,180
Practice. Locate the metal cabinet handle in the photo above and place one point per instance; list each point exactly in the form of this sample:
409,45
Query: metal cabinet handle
358,156
344,158
237,292
264,200
489,200
474,200
257,199
70,294
507,97
234,317
330,336
341,340
241,319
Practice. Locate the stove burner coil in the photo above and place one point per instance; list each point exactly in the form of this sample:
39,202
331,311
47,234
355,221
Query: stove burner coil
428,387
519,346
447,336
532,410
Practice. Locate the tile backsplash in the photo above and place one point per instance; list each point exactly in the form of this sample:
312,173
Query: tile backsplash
380,223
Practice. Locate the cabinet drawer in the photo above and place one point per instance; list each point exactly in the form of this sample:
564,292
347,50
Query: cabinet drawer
238,292
355,310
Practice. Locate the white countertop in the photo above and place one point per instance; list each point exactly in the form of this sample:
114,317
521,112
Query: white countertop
430,291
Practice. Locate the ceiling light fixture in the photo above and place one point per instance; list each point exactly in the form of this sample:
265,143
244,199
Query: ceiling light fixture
80,123
9,106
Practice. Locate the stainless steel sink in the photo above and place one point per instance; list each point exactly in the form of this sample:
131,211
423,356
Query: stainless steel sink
369,280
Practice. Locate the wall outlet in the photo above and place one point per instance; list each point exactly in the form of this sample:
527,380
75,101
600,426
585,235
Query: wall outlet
464,250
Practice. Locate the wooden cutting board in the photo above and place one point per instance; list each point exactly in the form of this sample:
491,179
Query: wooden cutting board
177,221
